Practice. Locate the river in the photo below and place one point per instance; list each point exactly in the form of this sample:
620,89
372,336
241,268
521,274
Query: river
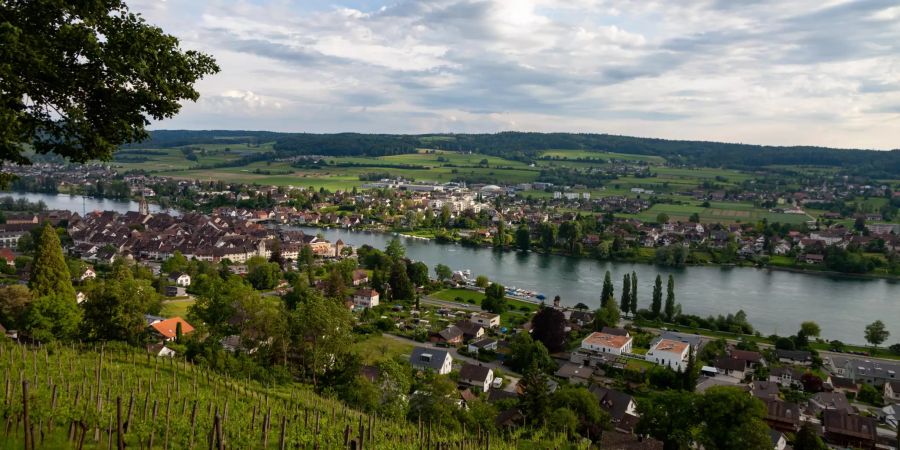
81,204
776,302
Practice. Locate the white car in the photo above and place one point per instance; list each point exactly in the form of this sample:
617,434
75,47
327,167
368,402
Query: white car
497,383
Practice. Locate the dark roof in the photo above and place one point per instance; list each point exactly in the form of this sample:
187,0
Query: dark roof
612,401
784,412
727,363
438,356
469,328
370,373
830,400
745,355
450,333
843,383
495,395
483,342
841,422
764,389
509,417
615,331
473,372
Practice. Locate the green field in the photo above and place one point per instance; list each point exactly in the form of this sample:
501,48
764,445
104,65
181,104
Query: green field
176,308
375,348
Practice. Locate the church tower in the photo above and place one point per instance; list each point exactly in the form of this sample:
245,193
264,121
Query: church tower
143,207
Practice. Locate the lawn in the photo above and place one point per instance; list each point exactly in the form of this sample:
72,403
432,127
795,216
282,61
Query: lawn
173,308
454,294
377,348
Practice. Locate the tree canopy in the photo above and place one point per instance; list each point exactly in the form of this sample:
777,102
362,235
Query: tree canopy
79,79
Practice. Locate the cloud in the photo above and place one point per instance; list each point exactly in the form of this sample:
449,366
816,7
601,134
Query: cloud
764,71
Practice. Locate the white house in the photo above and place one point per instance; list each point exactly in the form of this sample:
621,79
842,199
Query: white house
607,343
180,279
892,391
672,354
366,298
479,376
434,359
88,274
486,319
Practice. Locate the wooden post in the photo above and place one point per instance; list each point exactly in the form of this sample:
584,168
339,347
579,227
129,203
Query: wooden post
29,445
193,422
120,432
281,440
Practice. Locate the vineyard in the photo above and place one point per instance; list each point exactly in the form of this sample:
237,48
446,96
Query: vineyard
119,397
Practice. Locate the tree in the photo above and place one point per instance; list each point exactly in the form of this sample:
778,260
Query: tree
115,308
176,263
608,292
217,303
548,233
656,304
525,351
523,237
876,333
334,284
418,273
549,327
401,287
810,329
535,399
670,416
670,299
732,420
306,261
321,333
14,301
494,299
662,218
606,316
625,302
481,281
52,317
49,273
81,79
563,420
634,294
395,249
262,274
443,272
808,439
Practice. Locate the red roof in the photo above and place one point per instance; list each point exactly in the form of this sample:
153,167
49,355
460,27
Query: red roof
8,255
167,327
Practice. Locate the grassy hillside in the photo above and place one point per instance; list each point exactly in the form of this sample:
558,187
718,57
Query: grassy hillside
75,394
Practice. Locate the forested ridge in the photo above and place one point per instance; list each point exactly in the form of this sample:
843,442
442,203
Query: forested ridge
528,146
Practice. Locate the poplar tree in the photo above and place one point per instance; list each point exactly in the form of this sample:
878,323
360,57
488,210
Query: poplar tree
670,299
634,291
625,302
607,294
656,305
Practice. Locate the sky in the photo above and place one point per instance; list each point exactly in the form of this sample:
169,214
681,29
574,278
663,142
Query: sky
780,72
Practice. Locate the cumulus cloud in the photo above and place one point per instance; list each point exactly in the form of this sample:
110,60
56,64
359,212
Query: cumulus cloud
764,71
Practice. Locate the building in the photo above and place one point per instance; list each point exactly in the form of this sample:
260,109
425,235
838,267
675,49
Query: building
783,416
621,407
672,354
483,344
874,372
360,277
607,343
478,376
168,329
180,279
787,377
823,401
431,359
892,391
470,330
486,319
366,298
7,256
849,430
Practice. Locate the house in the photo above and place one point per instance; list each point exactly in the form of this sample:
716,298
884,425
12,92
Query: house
366,298
779,442
801,357
891,415
360,277
621,407
783,416
694,340
786,377
168,329
750,359
764,390
80,298
669,353
581,317
731,367
476,375
431,359
150,319
470,330
575,373
486,319
823,401
892,391
615,331
483,344
88,274
451,335
509,418
849,430
7,255
180,279
160,350
874,372
842,385
607,343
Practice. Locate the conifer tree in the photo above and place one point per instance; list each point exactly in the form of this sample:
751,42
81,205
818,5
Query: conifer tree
634,292
608,292
656,305
670,299
49,272
625,302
